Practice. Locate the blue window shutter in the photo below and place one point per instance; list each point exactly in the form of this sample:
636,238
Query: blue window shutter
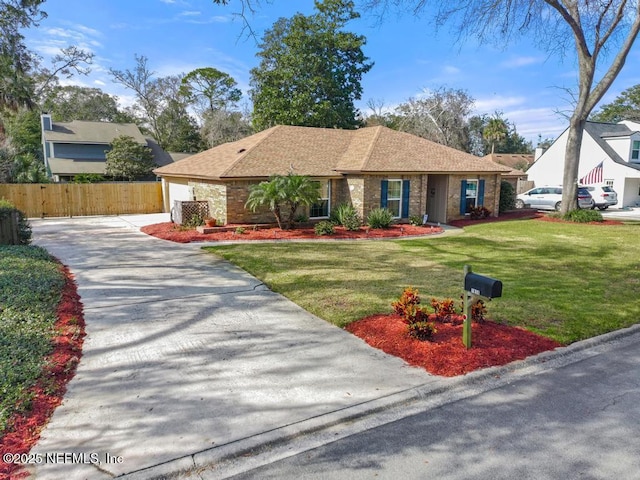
405,199
463,197
384,189
481,193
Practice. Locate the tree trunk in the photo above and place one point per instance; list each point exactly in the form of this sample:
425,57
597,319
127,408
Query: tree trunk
571,164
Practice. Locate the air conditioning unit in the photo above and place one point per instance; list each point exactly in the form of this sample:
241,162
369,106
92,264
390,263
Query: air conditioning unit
189,211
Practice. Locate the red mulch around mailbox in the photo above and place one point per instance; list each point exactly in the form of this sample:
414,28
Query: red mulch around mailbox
49,391
492,344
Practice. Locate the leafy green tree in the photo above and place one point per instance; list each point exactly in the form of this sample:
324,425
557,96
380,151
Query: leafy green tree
511,142
495,130
210,89
284,191
16,61
310,70
626,106
129,160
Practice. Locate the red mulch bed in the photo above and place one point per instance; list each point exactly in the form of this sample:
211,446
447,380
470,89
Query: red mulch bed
492,343
523,214
172,232
61,367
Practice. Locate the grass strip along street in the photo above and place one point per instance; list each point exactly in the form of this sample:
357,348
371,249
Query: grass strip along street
565,281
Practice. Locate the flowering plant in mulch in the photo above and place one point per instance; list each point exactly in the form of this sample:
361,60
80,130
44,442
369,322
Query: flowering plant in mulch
60,368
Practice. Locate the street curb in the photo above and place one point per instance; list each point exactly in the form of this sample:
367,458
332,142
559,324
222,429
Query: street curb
267,447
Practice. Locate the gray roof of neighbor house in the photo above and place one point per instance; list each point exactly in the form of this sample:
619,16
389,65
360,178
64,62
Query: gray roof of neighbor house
78,131
599,131
324,152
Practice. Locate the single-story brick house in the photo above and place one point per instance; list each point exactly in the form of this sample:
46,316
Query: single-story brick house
368,168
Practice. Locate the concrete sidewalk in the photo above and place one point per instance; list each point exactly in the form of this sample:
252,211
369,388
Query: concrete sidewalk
187,354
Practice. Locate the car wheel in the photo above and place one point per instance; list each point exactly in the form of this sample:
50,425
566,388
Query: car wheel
519,203
558,206
602,207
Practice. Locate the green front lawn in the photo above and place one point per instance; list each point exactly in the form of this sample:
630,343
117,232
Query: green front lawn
565,281
30,286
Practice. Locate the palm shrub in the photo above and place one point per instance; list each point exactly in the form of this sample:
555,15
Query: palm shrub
298,190
269,194
379,218
287,192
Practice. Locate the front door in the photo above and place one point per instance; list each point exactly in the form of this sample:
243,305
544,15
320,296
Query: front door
437,198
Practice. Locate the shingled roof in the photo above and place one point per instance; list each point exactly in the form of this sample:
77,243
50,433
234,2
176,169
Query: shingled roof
323,152
79,131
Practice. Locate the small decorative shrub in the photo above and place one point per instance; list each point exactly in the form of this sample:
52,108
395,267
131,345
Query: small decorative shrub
352,222
583,216
507,197
443,309
301,218
345,214
24,227
408,307
240,230
416,220
195,220
324,228
380,218
478,309
407,304
478,213
421,330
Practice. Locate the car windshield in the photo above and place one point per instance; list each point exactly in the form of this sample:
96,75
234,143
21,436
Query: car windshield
607,189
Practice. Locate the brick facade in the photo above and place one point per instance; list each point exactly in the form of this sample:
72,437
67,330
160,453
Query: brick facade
227,199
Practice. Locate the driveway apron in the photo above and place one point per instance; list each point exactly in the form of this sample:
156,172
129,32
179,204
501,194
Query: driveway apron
186,353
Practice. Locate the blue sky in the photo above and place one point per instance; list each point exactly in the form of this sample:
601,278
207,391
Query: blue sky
176,36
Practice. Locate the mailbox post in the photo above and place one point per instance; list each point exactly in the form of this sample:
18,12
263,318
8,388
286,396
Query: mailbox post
476,285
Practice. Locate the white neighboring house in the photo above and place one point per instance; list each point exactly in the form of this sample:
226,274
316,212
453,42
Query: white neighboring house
615,145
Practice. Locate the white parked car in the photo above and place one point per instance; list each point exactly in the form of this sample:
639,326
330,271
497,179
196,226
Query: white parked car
550,198
603,196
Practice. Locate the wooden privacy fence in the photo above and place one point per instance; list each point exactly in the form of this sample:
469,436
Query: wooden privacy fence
79,199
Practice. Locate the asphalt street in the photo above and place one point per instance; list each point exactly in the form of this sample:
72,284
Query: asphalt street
578,421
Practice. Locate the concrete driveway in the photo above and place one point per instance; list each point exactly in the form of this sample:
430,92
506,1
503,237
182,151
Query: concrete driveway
189,360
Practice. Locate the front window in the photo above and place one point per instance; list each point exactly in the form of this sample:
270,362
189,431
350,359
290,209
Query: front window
635,151
322,208
394,197
471,195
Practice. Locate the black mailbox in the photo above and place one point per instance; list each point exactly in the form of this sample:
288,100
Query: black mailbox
483,286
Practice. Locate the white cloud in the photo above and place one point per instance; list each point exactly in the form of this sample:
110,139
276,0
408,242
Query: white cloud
450,70
497,102
190,13
517,62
